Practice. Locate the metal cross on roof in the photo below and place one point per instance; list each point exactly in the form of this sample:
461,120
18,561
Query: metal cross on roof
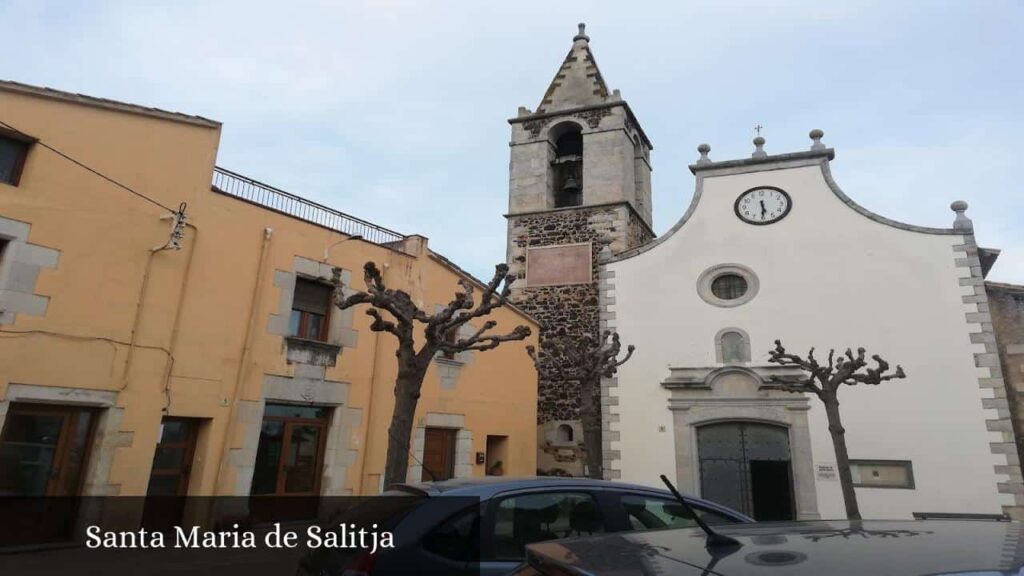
758,129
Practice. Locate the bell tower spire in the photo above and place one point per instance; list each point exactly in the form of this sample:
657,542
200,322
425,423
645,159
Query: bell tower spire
579,188
578,81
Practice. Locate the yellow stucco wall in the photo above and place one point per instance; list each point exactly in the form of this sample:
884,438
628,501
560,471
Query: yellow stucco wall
198,302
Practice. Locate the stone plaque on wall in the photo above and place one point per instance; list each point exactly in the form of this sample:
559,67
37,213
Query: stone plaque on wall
554,265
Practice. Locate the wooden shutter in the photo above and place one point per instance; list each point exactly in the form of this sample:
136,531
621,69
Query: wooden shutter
311,296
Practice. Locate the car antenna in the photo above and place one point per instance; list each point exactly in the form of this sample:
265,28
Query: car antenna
715,540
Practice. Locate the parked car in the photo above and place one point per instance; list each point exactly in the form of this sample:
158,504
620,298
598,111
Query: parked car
878,548
481,526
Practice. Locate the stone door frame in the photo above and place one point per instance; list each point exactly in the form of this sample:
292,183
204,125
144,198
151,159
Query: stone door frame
463,444
695,402
308,387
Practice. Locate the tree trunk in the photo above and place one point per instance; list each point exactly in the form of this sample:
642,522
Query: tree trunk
835,428
590,415
407,396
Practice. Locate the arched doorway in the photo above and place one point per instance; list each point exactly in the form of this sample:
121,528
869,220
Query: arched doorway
746,466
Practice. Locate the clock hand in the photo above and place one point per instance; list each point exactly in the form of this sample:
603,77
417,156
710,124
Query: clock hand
763,209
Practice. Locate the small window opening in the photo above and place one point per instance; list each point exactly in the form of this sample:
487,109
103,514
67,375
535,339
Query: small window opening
12,159
564,434
311,309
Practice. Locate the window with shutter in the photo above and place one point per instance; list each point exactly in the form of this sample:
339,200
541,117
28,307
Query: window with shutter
311,309
12,158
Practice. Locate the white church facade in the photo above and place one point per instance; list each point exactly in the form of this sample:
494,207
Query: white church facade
769,248
704,303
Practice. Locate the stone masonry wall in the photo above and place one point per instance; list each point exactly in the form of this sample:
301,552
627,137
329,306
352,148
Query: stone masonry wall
1006,304
569,310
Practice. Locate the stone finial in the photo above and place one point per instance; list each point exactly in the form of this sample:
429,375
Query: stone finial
583,33
816,135
704,149
962,222
759,148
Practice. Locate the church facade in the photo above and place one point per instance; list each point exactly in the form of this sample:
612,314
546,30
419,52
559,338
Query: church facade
770,248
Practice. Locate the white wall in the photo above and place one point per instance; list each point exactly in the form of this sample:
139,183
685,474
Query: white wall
829,277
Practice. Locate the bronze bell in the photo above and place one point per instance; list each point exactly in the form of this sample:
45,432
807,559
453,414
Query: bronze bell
571,185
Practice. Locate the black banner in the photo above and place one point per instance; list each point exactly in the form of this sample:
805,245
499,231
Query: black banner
251,536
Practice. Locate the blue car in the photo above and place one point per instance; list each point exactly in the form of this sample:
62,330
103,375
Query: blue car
482,526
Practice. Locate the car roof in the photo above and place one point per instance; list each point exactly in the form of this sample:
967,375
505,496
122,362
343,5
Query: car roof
487,486
797,548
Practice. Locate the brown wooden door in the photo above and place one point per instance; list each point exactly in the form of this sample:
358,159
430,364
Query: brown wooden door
438,454
43,453
172,461
289,461
169,477
302,459
43,450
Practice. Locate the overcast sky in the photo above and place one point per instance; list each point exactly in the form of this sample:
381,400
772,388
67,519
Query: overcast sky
396,111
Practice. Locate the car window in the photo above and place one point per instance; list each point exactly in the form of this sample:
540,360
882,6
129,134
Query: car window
528,518
652,513
457,538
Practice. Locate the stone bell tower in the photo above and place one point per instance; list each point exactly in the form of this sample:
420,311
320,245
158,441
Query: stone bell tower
579,183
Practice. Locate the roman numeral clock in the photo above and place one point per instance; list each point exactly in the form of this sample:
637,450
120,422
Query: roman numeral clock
763,205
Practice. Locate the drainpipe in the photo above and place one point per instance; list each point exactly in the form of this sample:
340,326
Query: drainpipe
368,430
177,318
246,348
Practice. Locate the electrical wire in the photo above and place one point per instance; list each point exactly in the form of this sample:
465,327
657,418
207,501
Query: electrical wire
16,333
86,167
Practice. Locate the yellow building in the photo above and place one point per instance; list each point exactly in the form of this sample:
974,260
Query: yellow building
128,367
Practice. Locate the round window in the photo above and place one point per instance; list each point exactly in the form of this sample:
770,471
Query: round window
729,286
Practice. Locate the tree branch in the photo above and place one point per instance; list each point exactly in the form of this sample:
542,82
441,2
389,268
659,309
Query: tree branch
781,357
875,376
490,299
459,311
846,369
585,359
492,341
380,324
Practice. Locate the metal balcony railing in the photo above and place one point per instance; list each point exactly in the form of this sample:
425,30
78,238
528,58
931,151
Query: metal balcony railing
233,184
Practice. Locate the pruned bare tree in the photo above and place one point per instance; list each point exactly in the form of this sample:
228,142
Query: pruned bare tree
394,312
824,380
585,360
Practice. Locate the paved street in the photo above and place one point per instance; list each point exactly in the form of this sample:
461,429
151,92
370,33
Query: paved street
160,562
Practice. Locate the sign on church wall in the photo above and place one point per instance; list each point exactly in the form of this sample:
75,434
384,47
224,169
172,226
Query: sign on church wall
826,471
561,264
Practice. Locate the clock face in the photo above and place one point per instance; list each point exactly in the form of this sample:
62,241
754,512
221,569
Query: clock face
763,205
